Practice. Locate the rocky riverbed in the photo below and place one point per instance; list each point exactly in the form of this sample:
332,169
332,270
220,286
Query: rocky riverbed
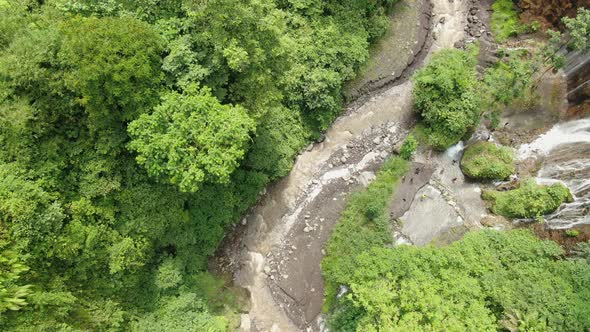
276,252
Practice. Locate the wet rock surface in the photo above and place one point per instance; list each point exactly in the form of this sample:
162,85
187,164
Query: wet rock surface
420,225
393,56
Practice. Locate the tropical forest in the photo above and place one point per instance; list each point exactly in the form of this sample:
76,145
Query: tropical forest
294,165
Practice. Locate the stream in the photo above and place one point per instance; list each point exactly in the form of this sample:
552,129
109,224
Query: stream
276,251
565,151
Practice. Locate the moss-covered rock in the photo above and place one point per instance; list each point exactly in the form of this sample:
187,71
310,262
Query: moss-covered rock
529,200
486,160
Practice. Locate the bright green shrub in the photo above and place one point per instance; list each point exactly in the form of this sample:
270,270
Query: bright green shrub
445,96
529,200
364,224
486,160
408,147
489,281
504,21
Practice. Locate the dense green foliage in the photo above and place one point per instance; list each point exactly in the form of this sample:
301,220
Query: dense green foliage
191,138
445,96
504,21
579,30
488,281
529,200
486,160
133,133
364,224
408,147
507,82
12,293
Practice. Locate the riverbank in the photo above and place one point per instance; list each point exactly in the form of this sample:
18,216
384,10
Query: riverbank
276,252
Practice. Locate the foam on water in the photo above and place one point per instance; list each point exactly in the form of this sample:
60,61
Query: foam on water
566,149
563,133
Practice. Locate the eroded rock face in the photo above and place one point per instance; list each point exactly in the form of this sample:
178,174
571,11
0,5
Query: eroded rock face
549,12
577,71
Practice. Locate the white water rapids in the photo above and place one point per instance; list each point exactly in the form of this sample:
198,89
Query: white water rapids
566,153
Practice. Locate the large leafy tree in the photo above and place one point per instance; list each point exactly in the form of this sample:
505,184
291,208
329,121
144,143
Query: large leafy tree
191,138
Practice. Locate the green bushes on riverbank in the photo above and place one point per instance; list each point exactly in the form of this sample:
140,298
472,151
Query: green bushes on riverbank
446,97
504,20
488,161
488,281
529,200
364,224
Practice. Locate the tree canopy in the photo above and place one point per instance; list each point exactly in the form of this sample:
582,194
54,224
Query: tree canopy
445,96
488,281
134,133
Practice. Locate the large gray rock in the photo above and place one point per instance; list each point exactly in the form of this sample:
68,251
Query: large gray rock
429,216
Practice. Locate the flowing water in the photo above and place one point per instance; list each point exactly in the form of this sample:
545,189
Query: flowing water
565,150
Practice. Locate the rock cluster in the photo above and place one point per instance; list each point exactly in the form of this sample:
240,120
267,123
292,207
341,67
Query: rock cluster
475,26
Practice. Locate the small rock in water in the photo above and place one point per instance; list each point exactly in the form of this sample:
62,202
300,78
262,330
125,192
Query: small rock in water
244,221
294,247
307,229
377,140
267,269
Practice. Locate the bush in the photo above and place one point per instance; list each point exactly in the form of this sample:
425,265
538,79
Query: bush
530,200
486,160
572,232
504,21
445,96
489,281
409,147
364,224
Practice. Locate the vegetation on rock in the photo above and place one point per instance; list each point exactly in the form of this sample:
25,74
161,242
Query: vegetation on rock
364,224
504,20
508,82
529,200
486,160
408,147
445,96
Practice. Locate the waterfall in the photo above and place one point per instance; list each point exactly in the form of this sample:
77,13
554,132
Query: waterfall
577,131
566,152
